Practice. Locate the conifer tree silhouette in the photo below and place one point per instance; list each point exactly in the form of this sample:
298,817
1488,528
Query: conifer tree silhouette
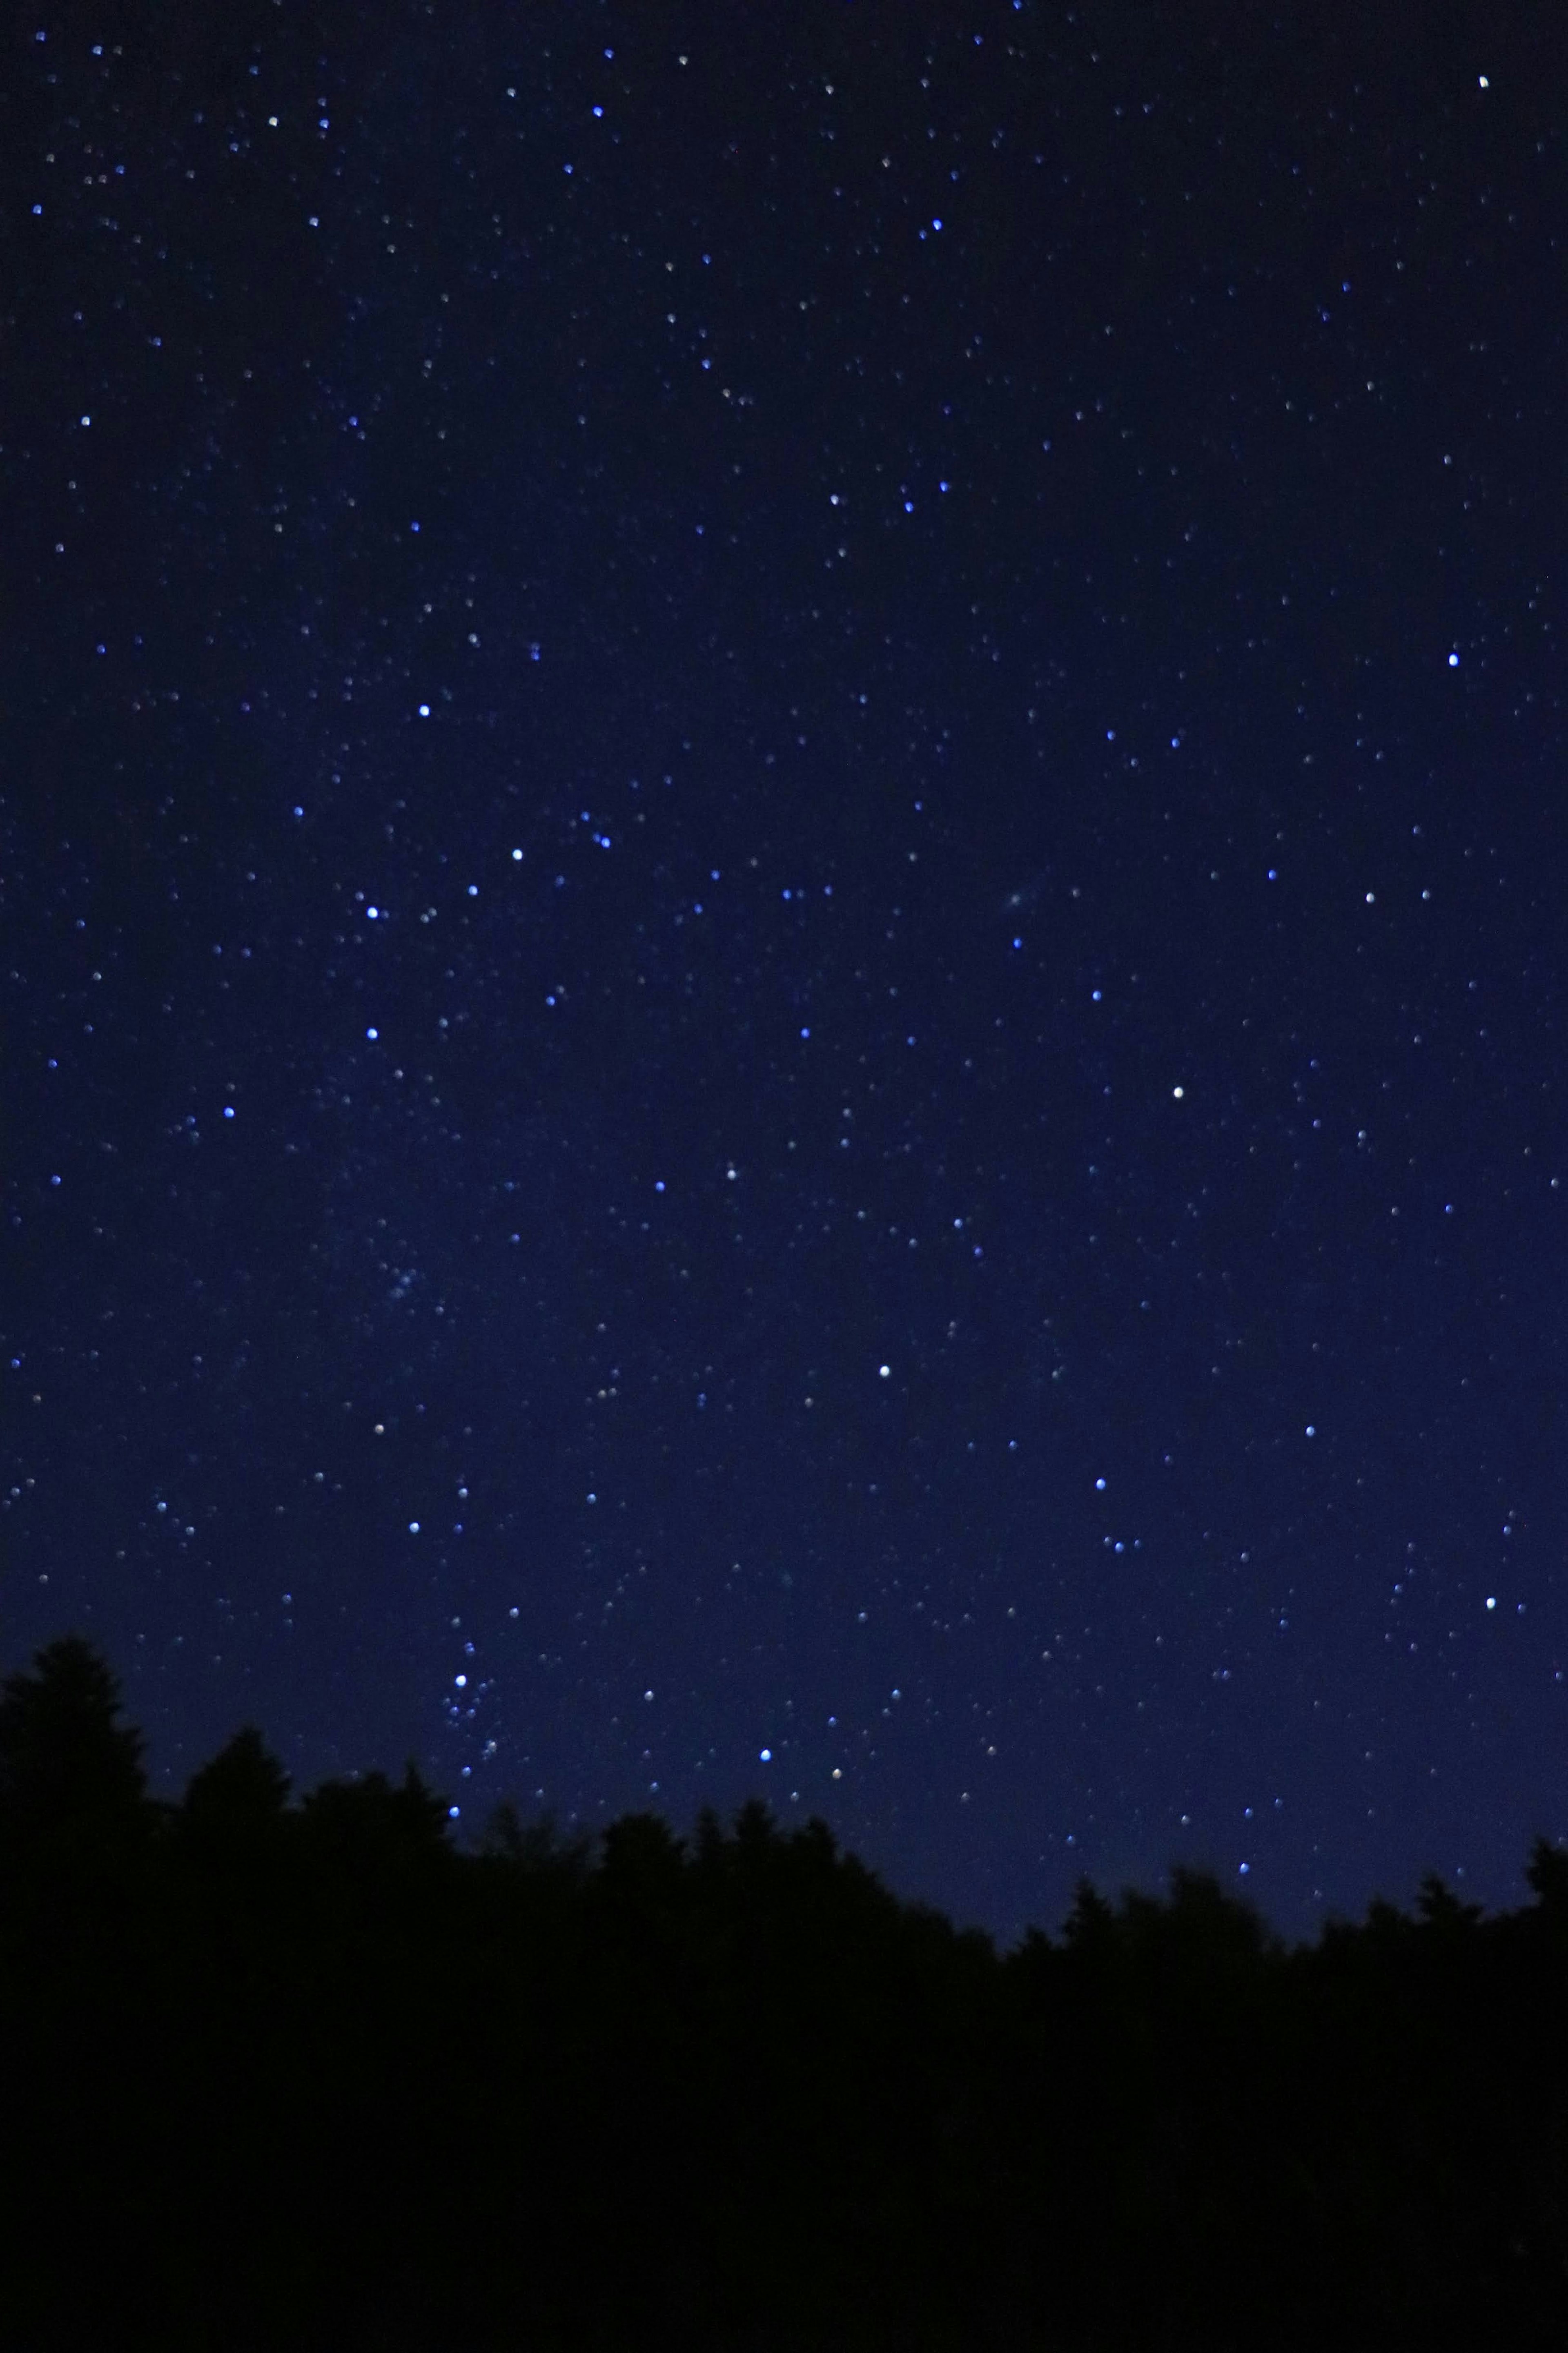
70,1771
240,1796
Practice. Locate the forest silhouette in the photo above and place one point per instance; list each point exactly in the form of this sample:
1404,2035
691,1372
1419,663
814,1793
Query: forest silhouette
279,2075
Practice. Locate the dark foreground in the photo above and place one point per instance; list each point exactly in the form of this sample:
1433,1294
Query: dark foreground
297,2076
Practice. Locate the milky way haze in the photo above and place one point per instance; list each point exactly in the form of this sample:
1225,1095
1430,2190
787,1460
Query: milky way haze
784,847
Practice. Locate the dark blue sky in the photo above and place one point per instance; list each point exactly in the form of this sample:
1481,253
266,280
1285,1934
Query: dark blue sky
784,849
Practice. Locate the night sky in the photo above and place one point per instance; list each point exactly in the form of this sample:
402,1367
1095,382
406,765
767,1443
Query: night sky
782,943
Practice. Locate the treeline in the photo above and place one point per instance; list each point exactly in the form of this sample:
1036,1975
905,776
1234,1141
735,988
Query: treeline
298,2075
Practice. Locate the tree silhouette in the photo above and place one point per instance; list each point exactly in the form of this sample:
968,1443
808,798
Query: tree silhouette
1441,1909
372,1829
314,2066
537,1848
235,1810
71,1773
1547,1872
243,1790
